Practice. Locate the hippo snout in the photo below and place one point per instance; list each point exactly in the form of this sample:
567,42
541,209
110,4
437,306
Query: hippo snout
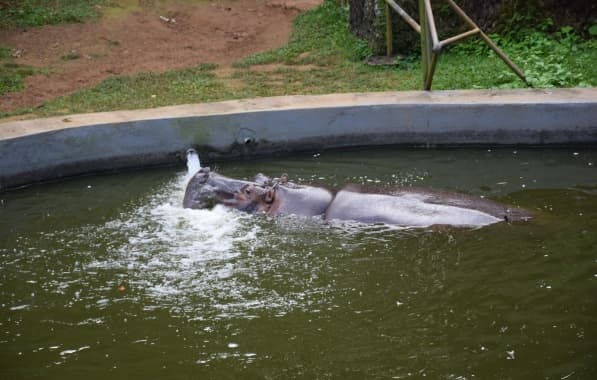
202,176
206,189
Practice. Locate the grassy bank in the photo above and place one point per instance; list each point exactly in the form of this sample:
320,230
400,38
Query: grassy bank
33,13
323,57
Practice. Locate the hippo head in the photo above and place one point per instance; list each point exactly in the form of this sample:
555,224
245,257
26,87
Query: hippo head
206,189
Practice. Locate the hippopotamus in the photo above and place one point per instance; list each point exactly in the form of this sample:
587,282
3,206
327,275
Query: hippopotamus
407,207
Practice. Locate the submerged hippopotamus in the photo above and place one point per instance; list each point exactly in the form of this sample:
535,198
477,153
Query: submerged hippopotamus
409,207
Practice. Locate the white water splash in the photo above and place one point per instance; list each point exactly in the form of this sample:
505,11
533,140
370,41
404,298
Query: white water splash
168,249
193,162
201,263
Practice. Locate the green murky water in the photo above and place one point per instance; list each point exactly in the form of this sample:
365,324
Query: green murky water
108,277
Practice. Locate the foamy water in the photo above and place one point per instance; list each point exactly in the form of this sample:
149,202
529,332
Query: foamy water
168,250
209,261
200,262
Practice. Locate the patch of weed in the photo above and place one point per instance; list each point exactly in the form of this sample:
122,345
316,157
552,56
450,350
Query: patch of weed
12,74
12,77
71,56
23,13
4,52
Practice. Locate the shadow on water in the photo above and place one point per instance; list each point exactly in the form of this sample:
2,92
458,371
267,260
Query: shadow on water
109,276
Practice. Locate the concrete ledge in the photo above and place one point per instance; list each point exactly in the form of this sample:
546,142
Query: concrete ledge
45,149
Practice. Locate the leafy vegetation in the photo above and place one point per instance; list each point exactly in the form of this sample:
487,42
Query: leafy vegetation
23,13
559,60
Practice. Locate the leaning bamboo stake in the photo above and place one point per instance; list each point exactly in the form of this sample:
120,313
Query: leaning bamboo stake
426,45
405,16
458,37
389,32
488,41
431,47
431,26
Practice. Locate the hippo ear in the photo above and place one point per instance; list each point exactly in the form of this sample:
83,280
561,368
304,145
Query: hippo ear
262,179
270,195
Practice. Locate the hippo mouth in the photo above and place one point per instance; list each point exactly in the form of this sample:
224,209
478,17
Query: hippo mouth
246,199
206,189
209,197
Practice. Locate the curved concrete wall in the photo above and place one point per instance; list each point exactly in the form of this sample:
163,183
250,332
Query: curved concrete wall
44,149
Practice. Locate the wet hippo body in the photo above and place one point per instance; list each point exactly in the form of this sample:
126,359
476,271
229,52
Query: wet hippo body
302,201
416,208
411,207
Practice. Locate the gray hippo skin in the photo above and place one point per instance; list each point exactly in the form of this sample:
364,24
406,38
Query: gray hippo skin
206,189
409,207
414,207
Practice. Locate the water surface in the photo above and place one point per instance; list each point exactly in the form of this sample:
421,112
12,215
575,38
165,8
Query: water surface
108,276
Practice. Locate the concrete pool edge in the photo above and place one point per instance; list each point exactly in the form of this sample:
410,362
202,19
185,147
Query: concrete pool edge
51,148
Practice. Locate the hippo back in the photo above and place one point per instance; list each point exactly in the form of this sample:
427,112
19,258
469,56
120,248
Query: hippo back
413,208
302,200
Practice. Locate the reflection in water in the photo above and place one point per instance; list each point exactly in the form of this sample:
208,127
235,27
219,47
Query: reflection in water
110,276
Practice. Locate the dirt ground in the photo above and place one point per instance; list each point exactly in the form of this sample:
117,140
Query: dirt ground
143,36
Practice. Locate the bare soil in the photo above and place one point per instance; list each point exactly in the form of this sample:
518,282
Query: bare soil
145,37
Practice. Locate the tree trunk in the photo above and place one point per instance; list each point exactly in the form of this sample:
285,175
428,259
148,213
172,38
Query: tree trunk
365,22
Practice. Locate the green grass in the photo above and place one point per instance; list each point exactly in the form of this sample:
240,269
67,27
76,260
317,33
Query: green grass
320,37
348,78
12,75
25,13
141,91
323,57
4,52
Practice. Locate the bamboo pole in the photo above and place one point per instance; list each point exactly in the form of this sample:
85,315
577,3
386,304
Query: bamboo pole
459,37
431,47
389,32
405,16
431,26
489,41
426,45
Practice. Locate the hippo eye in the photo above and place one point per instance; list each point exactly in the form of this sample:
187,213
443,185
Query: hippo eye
246,190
